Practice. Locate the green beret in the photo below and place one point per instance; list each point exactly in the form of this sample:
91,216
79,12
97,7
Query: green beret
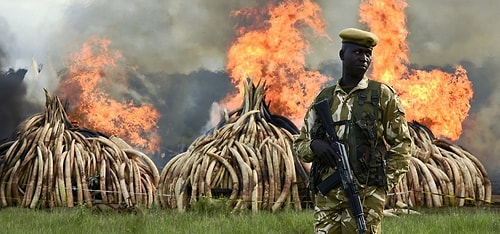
358,36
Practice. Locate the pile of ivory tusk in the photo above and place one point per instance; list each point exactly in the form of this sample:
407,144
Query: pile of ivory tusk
246,159
52,163
441,174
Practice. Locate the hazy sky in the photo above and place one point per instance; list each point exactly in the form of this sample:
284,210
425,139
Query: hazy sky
28,23
441,32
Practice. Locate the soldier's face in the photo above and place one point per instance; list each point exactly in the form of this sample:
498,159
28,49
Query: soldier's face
356,58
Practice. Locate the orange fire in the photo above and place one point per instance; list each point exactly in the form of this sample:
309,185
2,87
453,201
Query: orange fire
436,99
91,78
272,50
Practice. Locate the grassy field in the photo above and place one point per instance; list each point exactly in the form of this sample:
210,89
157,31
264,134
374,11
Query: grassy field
211,219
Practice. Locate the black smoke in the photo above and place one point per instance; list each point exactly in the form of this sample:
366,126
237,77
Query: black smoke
14,108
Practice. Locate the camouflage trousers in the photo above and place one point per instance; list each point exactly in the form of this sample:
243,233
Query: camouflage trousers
332,213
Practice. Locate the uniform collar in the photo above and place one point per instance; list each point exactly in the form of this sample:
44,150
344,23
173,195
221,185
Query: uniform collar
363,84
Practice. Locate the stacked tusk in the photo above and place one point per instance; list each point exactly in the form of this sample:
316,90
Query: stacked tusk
51,163
247,160
441,174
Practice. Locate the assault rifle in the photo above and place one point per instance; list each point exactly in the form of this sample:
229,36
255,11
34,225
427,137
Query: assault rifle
340,161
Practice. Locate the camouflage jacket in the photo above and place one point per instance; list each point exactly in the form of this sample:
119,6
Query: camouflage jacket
391,125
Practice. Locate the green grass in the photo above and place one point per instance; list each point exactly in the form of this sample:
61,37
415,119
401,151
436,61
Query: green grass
446,220
83,220
209,218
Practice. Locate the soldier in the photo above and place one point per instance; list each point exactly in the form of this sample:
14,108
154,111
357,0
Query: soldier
370,120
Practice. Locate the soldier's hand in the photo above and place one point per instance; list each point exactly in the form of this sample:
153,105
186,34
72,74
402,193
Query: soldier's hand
323,149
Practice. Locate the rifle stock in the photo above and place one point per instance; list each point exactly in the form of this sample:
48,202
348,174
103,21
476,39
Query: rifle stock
341,162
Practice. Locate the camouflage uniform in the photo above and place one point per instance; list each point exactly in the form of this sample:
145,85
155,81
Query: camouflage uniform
332,212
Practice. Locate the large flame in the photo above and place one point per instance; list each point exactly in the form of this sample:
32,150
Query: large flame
271,49
436,99
91,78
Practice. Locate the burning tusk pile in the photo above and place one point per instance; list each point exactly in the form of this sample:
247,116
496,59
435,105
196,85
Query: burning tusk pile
248,158
441,174
52,163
